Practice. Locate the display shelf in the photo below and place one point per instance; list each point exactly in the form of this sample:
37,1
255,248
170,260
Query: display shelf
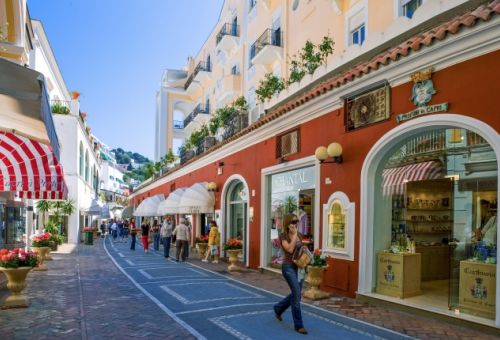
429,232
430,209
443,221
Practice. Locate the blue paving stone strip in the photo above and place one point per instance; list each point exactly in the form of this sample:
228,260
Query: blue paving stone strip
210,305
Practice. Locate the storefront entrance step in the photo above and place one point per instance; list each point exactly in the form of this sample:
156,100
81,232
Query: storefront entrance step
480,324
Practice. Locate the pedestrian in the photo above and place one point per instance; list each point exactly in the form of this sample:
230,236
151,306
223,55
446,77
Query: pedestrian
181,233
213,243
186,248
155,231
291,241
103,228
133,233
125,231
120,230
166,235
114,231
145,236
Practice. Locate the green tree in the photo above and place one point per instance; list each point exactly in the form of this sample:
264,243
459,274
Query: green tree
43,206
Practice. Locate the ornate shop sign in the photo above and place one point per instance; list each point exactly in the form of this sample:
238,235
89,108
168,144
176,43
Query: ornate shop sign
367,108
478,288
421,94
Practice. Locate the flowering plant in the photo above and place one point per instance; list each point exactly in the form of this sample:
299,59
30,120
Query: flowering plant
17,258
202,239
233,244
319,259
89,229
42,240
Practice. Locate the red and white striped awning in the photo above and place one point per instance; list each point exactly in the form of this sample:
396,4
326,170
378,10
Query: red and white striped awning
394,179
30,168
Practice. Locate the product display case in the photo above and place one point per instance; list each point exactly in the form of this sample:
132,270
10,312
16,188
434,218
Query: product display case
396,274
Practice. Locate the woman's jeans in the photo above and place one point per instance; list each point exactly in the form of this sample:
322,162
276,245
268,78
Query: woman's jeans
290,274
156,241
132,243
166,245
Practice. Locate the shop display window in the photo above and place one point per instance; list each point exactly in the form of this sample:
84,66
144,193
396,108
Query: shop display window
290,192
436,209
338,227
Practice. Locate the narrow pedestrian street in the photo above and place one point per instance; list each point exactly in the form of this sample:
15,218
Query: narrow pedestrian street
107,291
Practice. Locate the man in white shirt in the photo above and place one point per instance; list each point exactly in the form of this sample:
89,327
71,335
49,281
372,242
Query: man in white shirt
183,236
114,231
166,235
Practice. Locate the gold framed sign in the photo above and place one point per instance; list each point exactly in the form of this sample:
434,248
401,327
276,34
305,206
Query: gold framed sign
367,108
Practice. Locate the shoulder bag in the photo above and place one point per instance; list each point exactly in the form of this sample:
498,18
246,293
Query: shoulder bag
302,257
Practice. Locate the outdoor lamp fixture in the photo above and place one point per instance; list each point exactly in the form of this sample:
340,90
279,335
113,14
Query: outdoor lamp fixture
212,186
334,150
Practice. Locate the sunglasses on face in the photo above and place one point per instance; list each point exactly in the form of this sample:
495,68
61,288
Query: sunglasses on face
294,222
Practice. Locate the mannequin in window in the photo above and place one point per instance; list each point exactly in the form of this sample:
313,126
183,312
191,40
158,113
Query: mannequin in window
303,225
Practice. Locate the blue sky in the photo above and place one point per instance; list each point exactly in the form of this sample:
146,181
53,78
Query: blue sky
114,52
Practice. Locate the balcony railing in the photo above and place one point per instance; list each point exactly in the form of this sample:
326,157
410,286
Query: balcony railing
202,66
227,29
60,106
269,37
199,109
235,124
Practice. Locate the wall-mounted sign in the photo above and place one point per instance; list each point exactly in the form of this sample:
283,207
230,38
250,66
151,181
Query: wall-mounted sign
422,111
367,108
421,94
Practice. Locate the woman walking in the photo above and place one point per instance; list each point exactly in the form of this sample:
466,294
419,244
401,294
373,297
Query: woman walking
213,243
166,236
145,236
291,241
133,233
155,230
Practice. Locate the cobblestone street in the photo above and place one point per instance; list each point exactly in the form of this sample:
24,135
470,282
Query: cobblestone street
84,295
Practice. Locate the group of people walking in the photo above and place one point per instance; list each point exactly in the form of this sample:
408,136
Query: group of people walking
167,232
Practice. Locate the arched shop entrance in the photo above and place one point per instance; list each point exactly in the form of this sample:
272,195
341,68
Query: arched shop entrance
429,198
236,215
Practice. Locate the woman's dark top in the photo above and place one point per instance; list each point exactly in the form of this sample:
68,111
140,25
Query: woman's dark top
288,257
145,230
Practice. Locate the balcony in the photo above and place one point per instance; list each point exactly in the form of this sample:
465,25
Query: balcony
229,88
268,48
178,124
227,38
200,74
200,114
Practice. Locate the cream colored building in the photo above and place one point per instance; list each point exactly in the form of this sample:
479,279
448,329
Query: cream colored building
252,38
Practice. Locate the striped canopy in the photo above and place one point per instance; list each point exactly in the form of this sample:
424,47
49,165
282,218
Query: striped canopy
30,168
394,179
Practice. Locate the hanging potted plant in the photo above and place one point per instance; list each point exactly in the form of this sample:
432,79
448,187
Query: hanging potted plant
75,95
16,264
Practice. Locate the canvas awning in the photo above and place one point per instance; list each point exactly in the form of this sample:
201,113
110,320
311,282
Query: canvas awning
149,207
128,212
24,105
197,200
394,179
30,168
95,208
171,204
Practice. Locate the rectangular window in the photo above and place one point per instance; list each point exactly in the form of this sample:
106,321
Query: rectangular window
358,35
410,6
288,143
234,70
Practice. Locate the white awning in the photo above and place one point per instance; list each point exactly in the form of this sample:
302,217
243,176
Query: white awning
149,207
171,204
128,212
197,200
95,208
24,105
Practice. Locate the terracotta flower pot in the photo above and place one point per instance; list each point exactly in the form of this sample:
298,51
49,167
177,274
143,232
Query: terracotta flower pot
75,95
233,258
202,249
314,277
42,253
16,282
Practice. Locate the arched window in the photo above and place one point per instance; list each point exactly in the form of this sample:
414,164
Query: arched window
86,166
92,176
81,159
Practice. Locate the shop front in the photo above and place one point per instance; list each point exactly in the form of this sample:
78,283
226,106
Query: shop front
429,217
291,190
236,214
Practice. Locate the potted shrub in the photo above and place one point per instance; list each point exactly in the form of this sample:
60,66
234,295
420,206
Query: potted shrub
59,109
41,246
233,248
202,244
75,95
16,264
315,274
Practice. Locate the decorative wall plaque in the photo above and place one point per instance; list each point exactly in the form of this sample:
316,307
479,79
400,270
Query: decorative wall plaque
367,108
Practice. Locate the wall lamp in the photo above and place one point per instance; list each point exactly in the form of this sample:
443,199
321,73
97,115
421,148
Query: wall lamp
334,150
212,187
